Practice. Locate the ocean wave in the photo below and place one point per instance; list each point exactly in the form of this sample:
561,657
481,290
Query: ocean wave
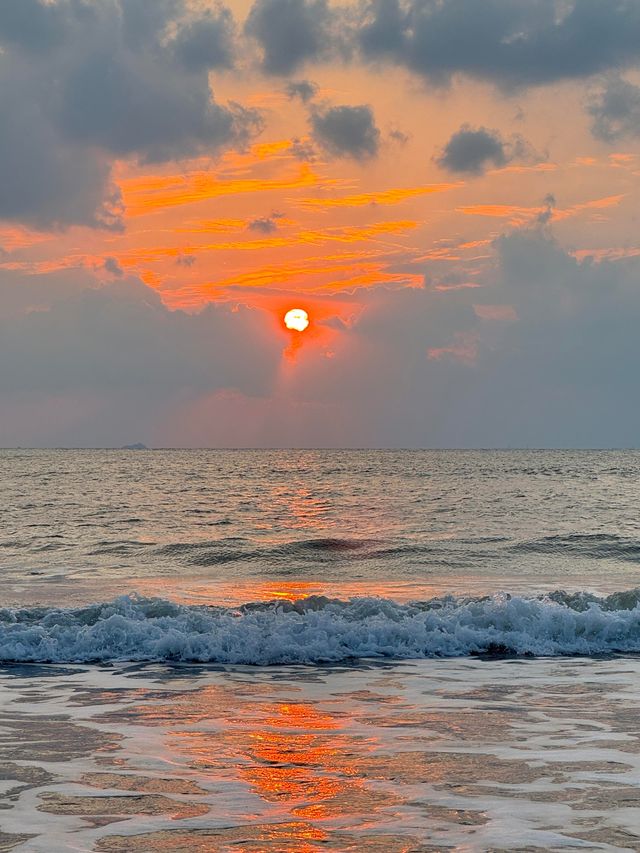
322,630
234,549
597,546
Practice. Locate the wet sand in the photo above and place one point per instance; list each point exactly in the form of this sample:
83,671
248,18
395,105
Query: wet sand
518,755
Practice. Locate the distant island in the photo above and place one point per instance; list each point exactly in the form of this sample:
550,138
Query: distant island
137,446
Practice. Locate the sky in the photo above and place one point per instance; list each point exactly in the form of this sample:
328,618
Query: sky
449,188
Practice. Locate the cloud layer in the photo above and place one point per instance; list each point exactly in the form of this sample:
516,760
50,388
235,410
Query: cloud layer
83,84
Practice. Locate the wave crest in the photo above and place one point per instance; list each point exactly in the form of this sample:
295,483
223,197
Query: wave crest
322,630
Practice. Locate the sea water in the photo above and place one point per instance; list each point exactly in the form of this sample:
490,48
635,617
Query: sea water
301,650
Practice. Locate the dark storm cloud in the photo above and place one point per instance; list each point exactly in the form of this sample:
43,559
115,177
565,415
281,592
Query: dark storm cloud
83,83
615,110
346,131
303,89
509,42
292,32
472,150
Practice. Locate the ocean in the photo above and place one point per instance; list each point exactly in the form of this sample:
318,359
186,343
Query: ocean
301,650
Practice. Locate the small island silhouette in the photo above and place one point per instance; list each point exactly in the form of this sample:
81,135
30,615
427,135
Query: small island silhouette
138,446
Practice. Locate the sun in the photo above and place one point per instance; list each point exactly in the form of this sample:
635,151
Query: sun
296,319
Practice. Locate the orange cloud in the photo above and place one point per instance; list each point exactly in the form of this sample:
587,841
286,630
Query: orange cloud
392,196
538,167
154,193
518,215
595,204
306,276
347,234
16,237
611,254
475,244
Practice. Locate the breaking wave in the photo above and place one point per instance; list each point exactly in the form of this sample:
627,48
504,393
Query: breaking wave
322,630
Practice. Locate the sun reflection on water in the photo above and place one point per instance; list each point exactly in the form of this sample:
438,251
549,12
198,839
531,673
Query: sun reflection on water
296,757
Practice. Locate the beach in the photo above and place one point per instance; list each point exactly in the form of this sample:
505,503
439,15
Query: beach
379,756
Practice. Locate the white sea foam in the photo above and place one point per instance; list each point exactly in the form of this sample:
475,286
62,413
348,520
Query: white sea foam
318,630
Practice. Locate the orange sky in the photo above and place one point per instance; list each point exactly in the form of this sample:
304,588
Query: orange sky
339,224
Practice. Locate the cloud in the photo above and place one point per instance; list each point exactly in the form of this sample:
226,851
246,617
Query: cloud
302,149
542,352
473,150
208,41
265,224
615,110
22,294
292,32
30,24
112,266
120,348
511,44
346,131
81,84
48,180
303,89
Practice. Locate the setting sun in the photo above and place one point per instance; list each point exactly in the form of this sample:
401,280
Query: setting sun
296,319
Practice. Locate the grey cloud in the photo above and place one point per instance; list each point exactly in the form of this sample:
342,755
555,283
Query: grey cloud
549,202
47,179
292,32
207,41
615,110
473,150
21,294
139,103
302,149
145,21
346,131
265,224
399,136
120,336
411,367
420,367
510,43
112,266
81,83
186,260
303,89
31,24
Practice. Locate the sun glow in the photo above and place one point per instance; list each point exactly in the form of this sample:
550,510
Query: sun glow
296,319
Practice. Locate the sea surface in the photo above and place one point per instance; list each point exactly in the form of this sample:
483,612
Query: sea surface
196,555
319,650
